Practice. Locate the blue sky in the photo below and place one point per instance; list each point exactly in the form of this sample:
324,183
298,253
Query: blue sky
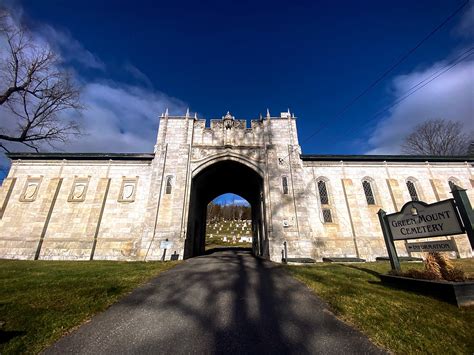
133,59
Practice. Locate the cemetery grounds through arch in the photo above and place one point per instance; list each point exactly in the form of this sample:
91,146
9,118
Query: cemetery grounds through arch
214,180
228,223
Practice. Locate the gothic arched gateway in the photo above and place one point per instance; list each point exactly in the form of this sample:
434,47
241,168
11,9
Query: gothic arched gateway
150,206
228,174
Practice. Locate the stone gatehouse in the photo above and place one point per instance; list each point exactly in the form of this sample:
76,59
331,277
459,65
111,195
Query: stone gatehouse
83,206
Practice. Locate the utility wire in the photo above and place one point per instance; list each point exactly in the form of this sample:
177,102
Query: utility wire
385,73
424,82
421,84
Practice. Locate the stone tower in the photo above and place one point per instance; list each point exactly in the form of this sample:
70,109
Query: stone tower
195,162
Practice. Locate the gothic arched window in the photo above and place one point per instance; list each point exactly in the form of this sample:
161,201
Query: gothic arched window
323,192
324,199
412,190
169,184
368,191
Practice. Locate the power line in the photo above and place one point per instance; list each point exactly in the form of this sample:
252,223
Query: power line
421,84
432,77
386,72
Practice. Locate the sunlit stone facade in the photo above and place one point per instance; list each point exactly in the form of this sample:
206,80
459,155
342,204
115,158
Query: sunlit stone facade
126,206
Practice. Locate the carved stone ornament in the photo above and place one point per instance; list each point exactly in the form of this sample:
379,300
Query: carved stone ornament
200,124
239,124
200,153
228,120
256,124
255,154
128,189
79,189
31,188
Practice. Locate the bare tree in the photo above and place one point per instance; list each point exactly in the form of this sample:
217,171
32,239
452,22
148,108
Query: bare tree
33,90
437,137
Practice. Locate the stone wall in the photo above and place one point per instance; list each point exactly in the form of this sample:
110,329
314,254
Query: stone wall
124,209
355,231
66,226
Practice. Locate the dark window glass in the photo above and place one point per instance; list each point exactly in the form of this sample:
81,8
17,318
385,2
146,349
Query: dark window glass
284,182
169,185
323,193
412,190
327,217
369,194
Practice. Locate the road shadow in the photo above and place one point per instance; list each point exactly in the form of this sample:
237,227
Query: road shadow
224,302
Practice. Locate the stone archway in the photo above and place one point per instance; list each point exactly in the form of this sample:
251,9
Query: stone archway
213,179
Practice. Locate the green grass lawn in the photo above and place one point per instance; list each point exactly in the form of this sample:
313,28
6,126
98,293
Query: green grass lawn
402,322
41,300
216,242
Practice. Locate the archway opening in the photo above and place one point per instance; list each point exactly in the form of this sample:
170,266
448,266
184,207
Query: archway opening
228,223
227,176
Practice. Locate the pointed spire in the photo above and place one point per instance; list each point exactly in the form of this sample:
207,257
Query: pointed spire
268,113
195,116
166,113
187,112
289,113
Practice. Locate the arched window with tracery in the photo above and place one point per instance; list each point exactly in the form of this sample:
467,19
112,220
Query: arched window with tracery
324,200
368,191
411,186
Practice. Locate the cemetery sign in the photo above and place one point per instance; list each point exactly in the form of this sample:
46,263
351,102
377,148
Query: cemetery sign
420,220
438,245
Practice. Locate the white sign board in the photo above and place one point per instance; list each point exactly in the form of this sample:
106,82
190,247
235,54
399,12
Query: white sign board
420,220
166,244
439,245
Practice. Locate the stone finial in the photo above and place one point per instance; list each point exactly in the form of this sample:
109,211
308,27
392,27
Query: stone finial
228,116
195,116
187,112
268,113
166,112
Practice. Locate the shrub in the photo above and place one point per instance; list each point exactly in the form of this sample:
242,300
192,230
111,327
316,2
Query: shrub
437,267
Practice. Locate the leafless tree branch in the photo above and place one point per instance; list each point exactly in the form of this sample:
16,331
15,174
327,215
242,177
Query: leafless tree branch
437,137
34,89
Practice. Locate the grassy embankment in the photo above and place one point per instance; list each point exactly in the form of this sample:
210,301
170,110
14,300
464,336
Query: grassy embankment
41,300
403,322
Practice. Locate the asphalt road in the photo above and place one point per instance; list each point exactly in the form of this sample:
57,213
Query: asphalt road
226,302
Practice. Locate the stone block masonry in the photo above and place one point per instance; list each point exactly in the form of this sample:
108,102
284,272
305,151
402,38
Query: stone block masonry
61,206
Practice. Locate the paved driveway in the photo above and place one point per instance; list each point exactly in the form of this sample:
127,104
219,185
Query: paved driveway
226,302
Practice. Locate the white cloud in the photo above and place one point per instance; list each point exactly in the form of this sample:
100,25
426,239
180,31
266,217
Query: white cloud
121,118
71,50
117,117
137,74
450,96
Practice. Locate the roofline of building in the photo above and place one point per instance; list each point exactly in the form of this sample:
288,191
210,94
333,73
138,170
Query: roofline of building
304,157
81,156
389,158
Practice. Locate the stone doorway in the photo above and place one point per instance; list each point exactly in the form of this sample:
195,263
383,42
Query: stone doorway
225,176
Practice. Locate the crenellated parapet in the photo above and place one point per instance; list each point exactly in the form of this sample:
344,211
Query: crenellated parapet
228,131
